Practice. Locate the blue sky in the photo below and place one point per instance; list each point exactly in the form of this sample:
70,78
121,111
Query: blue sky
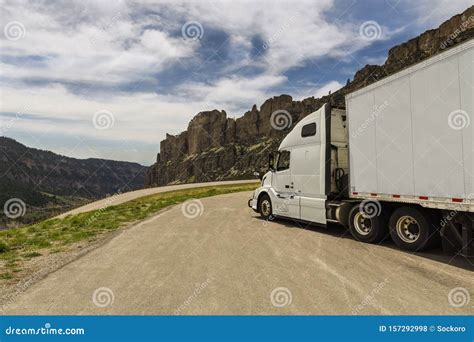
108,79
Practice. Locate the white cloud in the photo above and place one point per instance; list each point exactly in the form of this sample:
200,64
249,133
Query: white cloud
328,87
106,46
233,93
111,44
431,13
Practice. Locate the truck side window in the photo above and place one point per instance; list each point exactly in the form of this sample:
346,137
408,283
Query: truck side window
308,130
283,161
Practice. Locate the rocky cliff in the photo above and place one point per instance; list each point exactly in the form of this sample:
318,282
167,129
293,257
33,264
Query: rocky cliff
215,147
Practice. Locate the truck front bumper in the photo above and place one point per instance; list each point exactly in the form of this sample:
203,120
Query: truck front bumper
253,204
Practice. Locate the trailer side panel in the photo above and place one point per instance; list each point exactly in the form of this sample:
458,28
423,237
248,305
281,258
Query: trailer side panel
410,135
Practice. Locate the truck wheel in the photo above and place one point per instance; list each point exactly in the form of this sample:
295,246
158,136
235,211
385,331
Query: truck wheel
265,207
367,228
411,229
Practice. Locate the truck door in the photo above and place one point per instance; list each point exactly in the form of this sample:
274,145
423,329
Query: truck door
306,179
308,169
286,203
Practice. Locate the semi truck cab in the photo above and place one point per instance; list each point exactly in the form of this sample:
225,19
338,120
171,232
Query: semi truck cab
310,168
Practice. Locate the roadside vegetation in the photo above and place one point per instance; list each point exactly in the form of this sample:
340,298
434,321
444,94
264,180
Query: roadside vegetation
20,245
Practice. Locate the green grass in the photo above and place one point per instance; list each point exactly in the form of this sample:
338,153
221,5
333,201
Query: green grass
19,244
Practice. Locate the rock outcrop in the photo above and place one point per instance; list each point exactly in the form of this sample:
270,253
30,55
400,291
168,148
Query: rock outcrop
215,147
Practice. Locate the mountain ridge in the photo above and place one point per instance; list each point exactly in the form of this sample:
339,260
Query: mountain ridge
49,183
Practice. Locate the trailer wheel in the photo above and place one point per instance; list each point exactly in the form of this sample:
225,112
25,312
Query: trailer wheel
411,229
265,207
367,228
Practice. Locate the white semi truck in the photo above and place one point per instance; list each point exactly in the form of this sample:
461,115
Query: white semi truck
397,161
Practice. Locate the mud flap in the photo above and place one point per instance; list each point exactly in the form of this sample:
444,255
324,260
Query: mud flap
467,248
457,235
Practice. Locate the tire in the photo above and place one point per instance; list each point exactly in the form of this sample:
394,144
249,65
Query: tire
265,207
412,230
368,228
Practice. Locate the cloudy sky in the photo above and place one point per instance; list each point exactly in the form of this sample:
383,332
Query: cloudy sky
108,79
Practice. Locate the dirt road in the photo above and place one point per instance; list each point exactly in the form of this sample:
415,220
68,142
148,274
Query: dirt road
228,261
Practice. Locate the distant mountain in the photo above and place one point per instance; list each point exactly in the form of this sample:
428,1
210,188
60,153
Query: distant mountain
49,183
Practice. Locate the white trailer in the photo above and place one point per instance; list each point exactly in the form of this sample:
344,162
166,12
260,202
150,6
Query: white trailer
398,161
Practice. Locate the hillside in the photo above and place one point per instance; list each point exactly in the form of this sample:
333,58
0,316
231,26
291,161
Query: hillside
215,147
49,183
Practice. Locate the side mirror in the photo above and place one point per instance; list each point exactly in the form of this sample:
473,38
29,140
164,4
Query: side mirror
271,162
257,174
